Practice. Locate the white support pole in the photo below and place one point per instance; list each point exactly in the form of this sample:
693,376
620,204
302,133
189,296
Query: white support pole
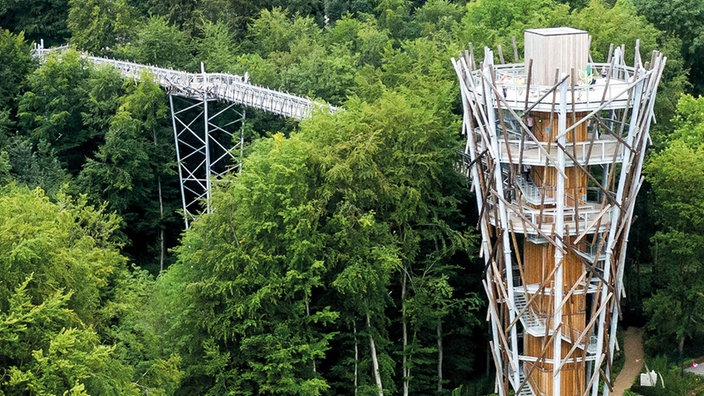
560,233
633,132
178,161
206,138
503,214
486,251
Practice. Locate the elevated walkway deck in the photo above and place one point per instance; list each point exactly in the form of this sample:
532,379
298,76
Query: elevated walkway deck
218,86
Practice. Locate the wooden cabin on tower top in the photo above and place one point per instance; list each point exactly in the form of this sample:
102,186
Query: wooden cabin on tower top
556,49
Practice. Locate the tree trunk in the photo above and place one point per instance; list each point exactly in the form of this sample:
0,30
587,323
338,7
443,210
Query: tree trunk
404,367
439,333
315,368
375,360
162,250
681,350
356,358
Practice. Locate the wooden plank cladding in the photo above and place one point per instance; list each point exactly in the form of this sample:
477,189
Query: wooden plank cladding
573,376
539,261
575,184
551,49
545,127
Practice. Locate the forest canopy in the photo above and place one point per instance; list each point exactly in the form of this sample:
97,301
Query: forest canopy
342,258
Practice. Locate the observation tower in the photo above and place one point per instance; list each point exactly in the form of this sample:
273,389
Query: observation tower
555,148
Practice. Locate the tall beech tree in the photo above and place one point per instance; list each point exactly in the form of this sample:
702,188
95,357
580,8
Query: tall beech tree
62,290
676,309
251,272
313,245
133,171
15,63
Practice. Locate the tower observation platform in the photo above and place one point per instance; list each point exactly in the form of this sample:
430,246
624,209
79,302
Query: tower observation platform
205,121
555,148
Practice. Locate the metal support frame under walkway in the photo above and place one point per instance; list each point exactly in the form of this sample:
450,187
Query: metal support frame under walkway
209,143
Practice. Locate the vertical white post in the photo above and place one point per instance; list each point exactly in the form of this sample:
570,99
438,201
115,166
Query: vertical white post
503,214
560,233
178,160
206,140
626,167
485,249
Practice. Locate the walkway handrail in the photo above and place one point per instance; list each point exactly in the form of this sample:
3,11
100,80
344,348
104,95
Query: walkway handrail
220,86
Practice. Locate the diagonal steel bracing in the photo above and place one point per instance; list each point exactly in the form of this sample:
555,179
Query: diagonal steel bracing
209,142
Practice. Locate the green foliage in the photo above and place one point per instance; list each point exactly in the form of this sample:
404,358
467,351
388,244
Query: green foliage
318,225
274,32
363,39
98,25
137,333
338,9
132,170
15,63
395,16
156,42
676,173
38,167
60,267
217,48
674,380
616,25
52,108
38,19
681,19
493,22
688,123
46,350
65,245
439,18
253,266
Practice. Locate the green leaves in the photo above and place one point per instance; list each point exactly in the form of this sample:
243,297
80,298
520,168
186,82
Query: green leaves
46,349
98,25
676,174
156,42
40,237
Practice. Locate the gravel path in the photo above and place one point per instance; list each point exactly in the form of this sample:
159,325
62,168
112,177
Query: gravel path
633,348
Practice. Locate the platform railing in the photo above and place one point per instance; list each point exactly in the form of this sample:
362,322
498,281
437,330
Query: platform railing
590,91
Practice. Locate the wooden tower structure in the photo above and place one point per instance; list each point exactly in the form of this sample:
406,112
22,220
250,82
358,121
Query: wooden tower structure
555,147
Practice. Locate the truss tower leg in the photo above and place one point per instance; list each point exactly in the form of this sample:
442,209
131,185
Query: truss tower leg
209,142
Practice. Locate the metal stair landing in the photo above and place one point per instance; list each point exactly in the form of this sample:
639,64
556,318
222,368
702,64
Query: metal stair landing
532,193
530,321
527,390
535,326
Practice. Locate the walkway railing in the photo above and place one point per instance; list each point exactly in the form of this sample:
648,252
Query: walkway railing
220,86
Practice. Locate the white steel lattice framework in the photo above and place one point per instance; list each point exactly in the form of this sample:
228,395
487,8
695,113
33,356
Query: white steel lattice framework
555,163
207,145
206,149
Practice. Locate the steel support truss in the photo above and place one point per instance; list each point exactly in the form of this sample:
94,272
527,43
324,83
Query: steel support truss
555,205
209,144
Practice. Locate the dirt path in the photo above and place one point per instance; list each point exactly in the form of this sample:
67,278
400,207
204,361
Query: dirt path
633,348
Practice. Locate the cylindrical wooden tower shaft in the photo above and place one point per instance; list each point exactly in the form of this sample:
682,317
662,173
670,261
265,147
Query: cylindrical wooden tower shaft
555,148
